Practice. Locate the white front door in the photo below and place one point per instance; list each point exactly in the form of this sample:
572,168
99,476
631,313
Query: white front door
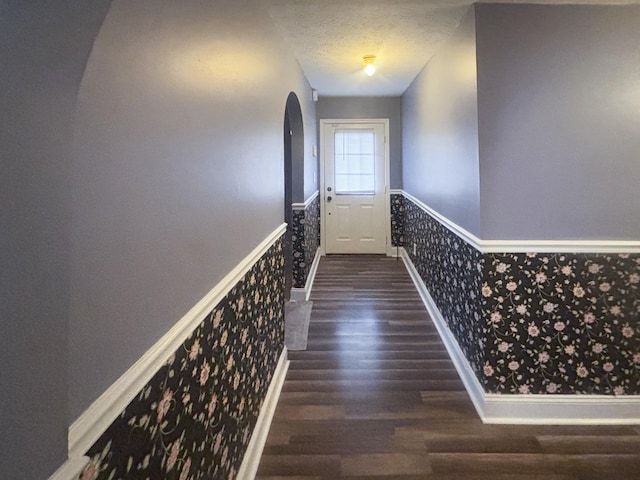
355,187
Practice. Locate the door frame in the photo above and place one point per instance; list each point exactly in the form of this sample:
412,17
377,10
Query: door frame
329,122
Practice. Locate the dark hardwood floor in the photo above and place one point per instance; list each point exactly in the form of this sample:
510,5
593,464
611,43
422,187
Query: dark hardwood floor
375,396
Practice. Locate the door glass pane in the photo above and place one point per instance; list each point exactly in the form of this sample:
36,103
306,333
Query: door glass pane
355,161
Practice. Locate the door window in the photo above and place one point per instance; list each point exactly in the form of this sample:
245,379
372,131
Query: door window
354,157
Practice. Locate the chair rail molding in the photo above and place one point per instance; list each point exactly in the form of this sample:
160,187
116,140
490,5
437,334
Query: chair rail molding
526,246
94,421
307,202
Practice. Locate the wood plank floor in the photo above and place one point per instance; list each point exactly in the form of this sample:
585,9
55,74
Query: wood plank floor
375,396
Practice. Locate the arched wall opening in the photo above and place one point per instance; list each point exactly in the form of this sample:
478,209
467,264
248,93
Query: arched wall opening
293,177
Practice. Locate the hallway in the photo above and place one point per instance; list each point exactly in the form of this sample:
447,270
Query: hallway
375,396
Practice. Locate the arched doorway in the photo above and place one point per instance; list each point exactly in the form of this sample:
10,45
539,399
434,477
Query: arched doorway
293,159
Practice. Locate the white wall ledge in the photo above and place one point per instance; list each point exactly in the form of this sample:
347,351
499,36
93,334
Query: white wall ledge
94,421
308,201
526,246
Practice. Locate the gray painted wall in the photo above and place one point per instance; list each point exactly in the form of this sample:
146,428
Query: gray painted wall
559,116
178,170
45,46
304,164
440,131
311,165
371,107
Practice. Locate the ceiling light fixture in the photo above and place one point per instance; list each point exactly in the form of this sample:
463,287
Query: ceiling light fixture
369,64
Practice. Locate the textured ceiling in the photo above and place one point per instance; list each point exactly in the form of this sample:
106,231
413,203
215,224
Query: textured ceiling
330,37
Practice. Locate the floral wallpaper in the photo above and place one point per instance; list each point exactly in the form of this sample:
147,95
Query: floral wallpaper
561,323
397,220
450,269
299,257
306,240
534,323
194,419
312,233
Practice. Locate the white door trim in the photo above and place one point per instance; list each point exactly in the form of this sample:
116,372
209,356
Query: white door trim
326,123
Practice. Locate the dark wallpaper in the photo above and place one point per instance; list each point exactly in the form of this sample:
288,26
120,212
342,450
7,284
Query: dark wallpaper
562,323
450,269
534,323
397,219
194,419
306,240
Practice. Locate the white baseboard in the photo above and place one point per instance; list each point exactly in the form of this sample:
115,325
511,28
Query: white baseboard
527,409
312,273
562,409
94,421
252,456
70,469
298,294
394,252
468,377
302,294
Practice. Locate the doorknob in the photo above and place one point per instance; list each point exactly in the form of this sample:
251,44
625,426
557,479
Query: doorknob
328,199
